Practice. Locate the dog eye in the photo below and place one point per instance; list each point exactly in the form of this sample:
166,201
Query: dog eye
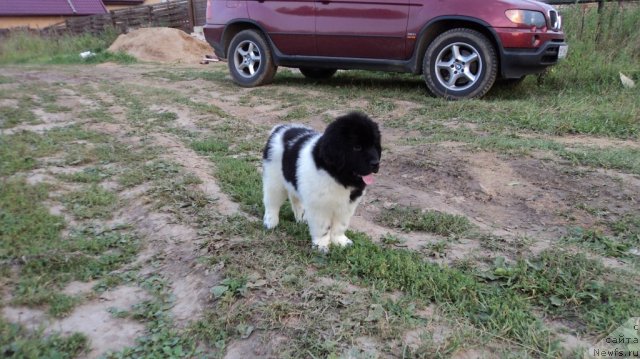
357,148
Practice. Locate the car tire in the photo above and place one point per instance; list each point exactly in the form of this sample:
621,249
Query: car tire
316,73
250,59
460,64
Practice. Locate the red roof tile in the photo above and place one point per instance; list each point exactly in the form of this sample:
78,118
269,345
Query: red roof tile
51,7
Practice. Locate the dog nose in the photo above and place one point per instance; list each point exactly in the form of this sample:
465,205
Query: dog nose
375,165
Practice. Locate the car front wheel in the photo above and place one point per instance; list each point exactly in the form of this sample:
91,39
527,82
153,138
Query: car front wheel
250,60
460,64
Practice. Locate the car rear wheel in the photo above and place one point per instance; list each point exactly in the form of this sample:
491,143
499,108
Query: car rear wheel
317,73
249,59
460,64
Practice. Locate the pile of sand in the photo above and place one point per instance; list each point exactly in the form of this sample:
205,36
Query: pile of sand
162,44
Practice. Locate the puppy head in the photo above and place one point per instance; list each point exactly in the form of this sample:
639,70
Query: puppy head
352,145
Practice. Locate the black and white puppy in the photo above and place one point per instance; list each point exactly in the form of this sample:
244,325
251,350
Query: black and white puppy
323,175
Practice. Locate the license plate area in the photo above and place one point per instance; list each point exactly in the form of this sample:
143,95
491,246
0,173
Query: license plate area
562,51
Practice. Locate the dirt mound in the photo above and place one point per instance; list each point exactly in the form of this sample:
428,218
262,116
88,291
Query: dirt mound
162,44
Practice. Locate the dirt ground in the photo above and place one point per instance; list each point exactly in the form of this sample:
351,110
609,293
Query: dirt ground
538,197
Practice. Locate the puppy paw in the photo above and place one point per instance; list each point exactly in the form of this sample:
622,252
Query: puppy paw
322,244
342,241
299,215
270,222
321,249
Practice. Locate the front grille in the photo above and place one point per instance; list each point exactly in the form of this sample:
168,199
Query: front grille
555,21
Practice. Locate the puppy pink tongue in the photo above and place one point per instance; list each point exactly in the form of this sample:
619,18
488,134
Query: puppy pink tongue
368,179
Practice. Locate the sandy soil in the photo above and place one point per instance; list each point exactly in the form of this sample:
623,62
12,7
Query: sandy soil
162,44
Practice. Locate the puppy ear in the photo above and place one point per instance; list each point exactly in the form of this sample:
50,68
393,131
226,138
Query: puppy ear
332,154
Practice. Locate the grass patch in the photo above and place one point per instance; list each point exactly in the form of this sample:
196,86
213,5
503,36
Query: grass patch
91,202
87,254
20,151
19,342
414,219
601,243
148,172
179,193
628,227
574,286
6,80
499,311
31,240
240,178
88,175
27,226
12,116
210,146
29,48
620,158
162,339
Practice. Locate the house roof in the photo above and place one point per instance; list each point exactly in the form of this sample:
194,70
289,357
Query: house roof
51,7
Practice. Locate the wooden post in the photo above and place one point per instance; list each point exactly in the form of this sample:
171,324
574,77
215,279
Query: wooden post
192,14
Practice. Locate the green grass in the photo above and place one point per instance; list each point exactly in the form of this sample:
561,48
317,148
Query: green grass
20,151
18,342
27,48
570,285
210,146
239,178
148,172
91,202
414,219
619,158
6,80
591,35
27,227
31,239
88,175
600,243
12,116
87,254
162,339
499,311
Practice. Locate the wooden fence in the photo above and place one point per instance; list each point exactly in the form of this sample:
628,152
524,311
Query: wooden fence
179,14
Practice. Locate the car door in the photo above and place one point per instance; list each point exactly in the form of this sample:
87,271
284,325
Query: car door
289,24
362,28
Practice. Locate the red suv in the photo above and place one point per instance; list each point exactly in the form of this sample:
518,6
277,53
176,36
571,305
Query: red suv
460,46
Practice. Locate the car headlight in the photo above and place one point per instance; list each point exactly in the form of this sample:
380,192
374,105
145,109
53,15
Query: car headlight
526,17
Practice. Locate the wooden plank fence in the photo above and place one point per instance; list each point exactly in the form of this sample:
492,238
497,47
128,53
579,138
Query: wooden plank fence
176,14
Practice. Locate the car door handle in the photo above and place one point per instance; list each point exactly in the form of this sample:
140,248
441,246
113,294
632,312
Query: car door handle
325,2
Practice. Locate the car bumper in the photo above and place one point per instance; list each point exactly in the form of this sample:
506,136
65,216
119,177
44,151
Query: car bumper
520,62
